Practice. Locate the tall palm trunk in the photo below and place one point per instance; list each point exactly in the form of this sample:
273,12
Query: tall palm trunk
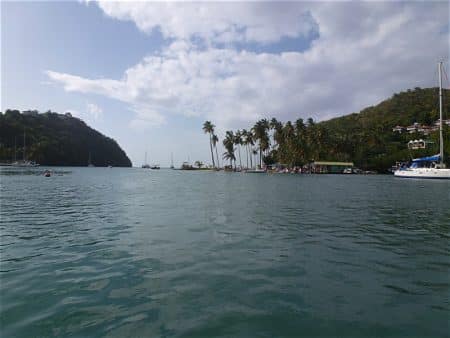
239,150
212,155
217,155
246,153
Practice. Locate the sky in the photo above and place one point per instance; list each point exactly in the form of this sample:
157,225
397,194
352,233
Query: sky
148,74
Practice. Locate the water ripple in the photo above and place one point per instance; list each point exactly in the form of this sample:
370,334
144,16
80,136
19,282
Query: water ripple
129,252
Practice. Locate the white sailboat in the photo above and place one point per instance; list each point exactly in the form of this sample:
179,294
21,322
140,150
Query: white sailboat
24,162
431,166
146,165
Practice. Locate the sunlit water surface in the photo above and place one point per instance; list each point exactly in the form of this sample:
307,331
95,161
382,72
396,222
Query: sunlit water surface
134,252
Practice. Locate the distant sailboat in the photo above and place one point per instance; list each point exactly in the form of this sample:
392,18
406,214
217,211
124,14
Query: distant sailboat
171,161
89,161
430,166
255,171
24,162
146,165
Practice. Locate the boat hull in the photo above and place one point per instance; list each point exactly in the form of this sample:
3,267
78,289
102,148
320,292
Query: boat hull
430,173
255,171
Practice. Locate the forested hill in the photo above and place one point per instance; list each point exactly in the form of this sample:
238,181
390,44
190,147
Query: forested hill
56,139
367,137
414,105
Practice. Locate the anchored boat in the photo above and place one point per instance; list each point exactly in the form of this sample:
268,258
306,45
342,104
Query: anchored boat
431,166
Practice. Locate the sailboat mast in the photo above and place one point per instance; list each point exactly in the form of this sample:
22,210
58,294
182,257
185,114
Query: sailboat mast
441,137
24,146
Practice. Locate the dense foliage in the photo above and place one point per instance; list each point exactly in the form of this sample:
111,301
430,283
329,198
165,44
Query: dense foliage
56,139
366,138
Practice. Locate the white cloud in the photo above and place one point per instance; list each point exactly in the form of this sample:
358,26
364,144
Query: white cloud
215,21
92,114
365,52
95,111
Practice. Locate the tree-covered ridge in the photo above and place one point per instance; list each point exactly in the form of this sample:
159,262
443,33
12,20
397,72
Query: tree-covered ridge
365,138
56,139
368,140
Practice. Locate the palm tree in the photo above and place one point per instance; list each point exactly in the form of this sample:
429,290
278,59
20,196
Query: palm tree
260,130
289,150
238,141
250,143
229,156
301,147
244,134
215,140
278,137
311,139
255,154
208,128
228,143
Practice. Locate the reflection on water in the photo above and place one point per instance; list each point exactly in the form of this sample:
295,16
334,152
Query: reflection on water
131,252
36,171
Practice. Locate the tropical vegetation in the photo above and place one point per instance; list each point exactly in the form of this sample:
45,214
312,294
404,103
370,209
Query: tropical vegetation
55,139
365,138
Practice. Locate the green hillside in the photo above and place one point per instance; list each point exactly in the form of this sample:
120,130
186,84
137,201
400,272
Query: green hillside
367,137
56,139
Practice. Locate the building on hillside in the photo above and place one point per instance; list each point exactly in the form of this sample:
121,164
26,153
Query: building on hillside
329,167
416,144
426,130
398,129
418,128
413,128
447,122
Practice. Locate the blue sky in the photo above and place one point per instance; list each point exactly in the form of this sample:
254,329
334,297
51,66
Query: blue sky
149,74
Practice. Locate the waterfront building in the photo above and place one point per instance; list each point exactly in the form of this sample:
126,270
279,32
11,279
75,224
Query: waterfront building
329,167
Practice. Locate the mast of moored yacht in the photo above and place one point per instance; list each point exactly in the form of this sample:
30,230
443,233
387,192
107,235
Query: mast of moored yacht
441,138
24,146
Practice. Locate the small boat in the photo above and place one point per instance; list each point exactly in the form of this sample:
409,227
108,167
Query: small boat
155,166
171,161
255,171
430,166
186,166
47,173
89,161
25,164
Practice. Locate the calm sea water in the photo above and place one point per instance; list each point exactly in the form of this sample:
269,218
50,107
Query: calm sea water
133,252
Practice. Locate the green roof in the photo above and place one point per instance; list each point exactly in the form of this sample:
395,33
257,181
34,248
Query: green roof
343,164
